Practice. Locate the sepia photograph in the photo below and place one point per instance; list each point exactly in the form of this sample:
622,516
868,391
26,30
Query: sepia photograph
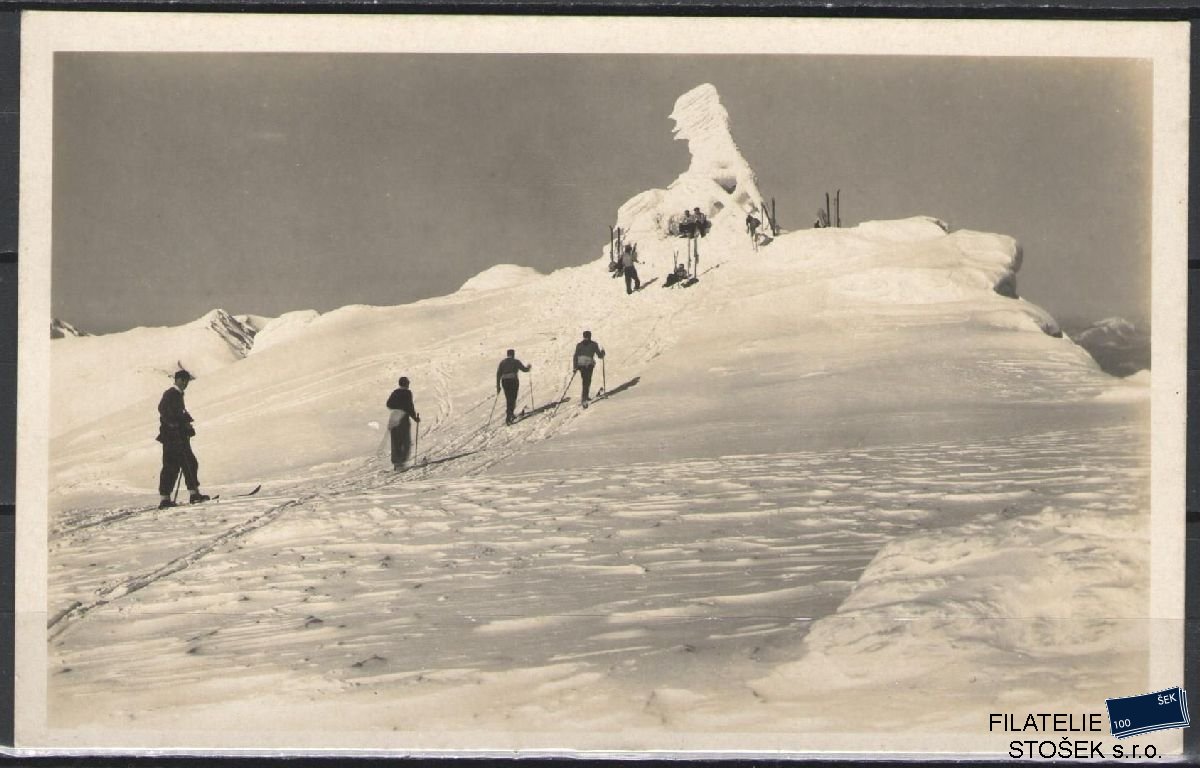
318,449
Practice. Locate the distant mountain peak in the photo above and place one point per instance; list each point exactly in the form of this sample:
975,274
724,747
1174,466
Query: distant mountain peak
1118,345
61,329
237,334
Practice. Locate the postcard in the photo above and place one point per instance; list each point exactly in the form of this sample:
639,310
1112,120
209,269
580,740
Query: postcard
319,452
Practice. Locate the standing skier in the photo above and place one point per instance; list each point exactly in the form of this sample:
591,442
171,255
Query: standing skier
584,361
507,376
175,432
403,412
628,260
752,224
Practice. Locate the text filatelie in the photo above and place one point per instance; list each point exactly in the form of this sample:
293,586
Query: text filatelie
1044,722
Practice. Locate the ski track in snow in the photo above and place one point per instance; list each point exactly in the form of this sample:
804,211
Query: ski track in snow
691,576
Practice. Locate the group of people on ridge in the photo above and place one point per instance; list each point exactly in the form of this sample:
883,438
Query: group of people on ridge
403,412
694,223
175,423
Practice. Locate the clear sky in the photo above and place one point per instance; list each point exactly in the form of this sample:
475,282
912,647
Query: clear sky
264,183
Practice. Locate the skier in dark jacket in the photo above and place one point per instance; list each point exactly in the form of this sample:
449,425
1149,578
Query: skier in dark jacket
507,376
175,432
400,402
752,224
584,361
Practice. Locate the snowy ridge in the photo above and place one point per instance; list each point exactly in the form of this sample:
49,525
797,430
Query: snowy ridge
322,378
254,322
500,276
282,328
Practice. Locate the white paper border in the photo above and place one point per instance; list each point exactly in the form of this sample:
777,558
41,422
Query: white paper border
44,33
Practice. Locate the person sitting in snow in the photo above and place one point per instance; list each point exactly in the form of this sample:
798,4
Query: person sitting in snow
507,376
700,223
175,432
678,276
584,361
628,260
403,412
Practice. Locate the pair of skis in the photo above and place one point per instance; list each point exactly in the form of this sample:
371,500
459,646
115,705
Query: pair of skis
217,496
603,385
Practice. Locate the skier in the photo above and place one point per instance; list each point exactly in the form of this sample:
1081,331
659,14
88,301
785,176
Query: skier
584,361
506,375
175,432
752,223
401,404
701,225
628,259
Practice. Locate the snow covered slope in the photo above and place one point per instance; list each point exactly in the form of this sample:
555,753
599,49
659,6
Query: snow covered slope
877,332
885,331
95,376
844,461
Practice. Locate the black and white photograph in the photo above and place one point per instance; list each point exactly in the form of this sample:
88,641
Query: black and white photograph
319,448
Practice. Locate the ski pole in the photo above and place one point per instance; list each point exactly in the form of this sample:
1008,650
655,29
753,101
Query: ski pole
603,376
564,392
494,399
417,441
531,405
178,478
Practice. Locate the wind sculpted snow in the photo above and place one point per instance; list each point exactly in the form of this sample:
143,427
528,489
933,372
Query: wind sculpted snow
669,597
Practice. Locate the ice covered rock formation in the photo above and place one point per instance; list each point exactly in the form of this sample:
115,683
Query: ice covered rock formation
703,123
718,180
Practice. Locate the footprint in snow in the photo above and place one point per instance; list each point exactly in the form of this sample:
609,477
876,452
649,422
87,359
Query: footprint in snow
374,661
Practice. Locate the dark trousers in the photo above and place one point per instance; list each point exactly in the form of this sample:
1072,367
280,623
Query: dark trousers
176,457
511,387
585,375
631,277
401,440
